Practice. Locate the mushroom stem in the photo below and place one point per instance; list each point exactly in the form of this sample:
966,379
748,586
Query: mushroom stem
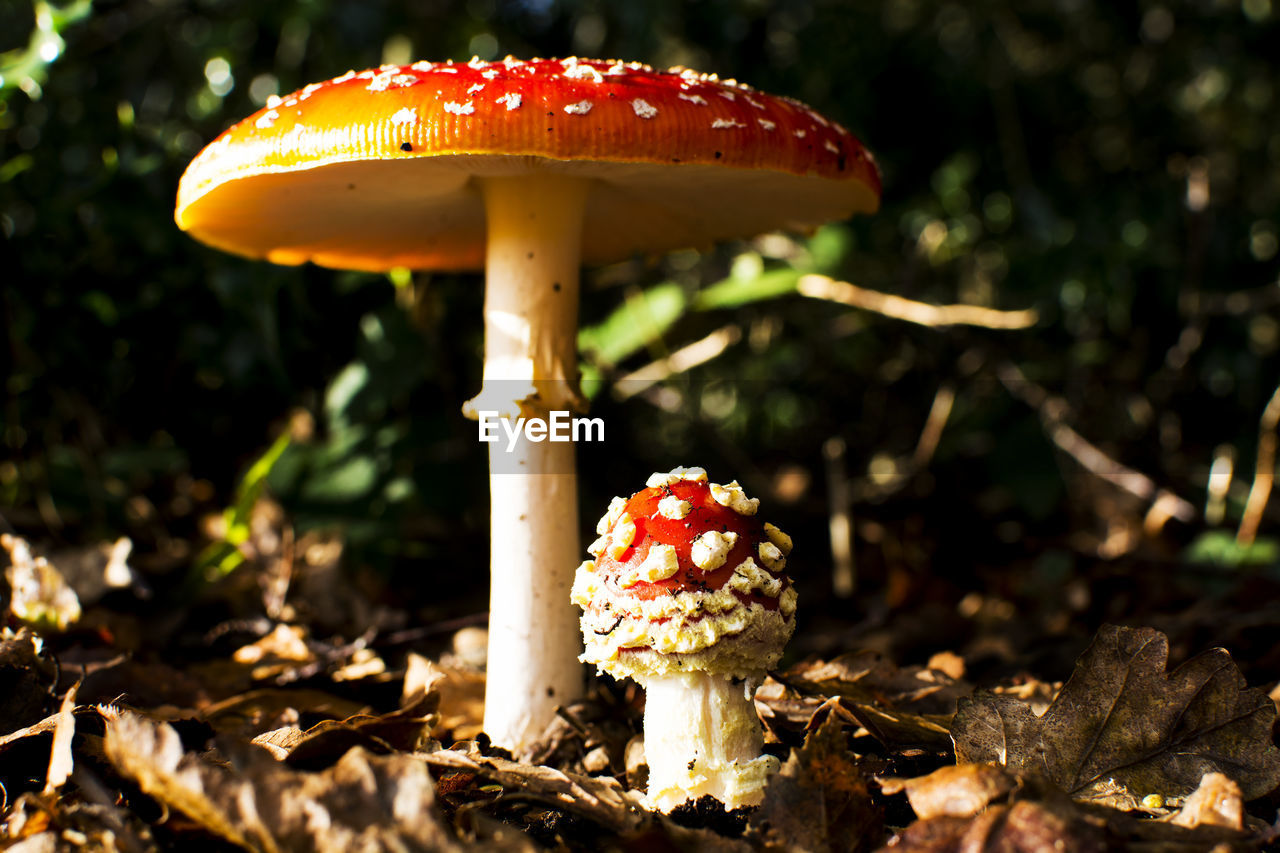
530,371
702,736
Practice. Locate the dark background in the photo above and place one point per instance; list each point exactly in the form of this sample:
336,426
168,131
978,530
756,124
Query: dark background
1115,166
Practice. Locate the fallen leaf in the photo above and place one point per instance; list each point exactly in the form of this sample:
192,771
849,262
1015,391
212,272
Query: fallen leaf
1216,802
980,808
869,678
460,692
26,680
61,760
819,800
598,799
1024,827
38,594
363,802
1123,728
953,791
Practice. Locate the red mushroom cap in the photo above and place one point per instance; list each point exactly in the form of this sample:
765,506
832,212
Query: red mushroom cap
372,170
685,576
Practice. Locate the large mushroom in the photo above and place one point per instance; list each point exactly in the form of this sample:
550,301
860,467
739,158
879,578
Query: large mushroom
526,169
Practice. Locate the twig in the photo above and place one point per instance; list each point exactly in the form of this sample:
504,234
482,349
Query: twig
921,313
844,575
931,434
685,358
1053,412
1264,473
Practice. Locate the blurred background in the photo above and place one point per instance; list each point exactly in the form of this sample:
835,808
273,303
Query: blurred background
1105,177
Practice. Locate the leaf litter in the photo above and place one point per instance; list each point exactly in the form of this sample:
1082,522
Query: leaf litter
281,735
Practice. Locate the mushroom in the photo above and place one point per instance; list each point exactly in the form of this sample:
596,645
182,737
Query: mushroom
687,596
526,169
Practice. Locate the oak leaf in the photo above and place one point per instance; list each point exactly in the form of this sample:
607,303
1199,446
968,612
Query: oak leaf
1123,727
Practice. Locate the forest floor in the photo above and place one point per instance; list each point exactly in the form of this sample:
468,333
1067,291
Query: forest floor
281,709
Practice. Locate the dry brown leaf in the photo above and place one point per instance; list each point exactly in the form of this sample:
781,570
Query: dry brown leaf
1027,813
1024,827
61,760
363,802
1123,728
869,678
38,594
461,696
1216,802
598,799
953,791
26,680
819,800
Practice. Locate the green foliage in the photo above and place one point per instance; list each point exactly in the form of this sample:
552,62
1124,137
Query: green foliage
1113,167
223,555
1220,548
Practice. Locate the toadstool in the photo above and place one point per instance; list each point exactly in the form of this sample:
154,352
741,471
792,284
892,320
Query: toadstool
687,595
526,169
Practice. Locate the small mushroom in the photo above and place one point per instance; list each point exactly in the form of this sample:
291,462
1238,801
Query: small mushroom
697,626
525,169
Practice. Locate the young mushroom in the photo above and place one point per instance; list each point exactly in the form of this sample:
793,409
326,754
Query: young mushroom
526,169
687,596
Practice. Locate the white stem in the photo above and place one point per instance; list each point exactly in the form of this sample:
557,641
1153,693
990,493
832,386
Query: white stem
530,370
702,736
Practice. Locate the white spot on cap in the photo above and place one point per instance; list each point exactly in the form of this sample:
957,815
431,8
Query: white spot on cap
753,102
459,109
344,78
583,72
777,537
616,506
766,124
273,101
447,69
581,108
512,100
423,65
801,134
748,578
392,80
831,146
406,115
731,495
673,508
675,475
658,565
266,119
728,96
711,549
643,108
725,124
623,535
771,556
489,73
617,69
693,99
476,88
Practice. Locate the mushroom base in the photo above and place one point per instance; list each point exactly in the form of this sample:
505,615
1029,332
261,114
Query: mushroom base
702,736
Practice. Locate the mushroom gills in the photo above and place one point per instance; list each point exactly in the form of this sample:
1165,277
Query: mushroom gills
702,736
